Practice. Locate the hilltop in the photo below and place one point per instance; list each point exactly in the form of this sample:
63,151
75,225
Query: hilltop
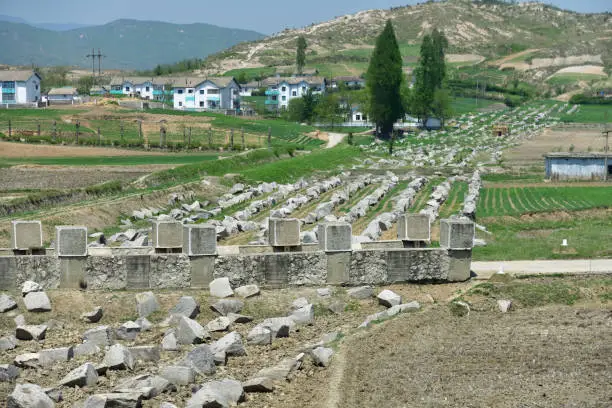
492,34
127,44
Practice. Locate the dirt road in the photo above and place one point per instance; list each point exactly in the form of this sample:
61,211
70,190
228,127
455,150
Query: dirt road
484,270
334,139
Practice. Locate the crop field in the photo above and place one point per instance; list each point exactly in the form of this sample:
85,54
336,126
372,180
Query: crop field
590,114
511,201
572,78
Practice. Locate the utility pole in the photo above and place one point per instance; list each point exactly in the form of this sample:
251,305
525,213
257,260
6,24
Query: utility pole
606,134
93,62
100,56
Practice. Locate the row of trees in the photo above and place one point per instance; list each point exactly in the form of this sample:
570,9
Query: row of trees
389,97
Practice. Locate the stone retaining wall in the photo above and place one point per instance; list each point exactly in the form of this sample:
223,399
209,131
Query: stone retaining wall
156,271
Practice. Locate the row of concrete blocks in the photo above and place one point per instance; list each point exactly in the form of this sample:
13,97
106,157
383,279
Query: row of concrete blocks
200,240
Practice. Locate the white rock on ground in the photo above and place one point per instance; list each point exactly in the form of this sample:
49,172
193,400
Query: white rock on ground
100,336
321,356
504,305
303,315
31,332
201,359
94,316
170,342
8,343
224,393
178,375
85,349
259,384
146,303
7,303
247,291
83,376
230,344
361,292
116,399
49,357
29,287
29,396
221,288
145,353
190,332
281,371
299,303
186,306
280,326
149,385
128,331
227,306
389,298
219,324
37,302
8,372
27,360
260,335
324,292
119,357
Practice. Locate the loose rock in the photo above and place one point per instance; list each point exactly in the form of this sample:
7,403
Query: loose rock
31,332
227,306
119,357
8,372
186,306
85,375
361,292
224,393
504,305
94,316
37,302
221,288
29,396
322,355
389,298
178,375
7,303
247,291
259,384
146,303
190,332
201,359
29,287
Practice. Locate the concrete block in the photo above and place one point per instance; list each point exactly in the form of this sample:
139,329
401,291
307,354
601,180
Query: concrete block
202,271
167,234
460,264
335,236
284,232
71,241
456,234
72,273
414,227
26,235
199,240
338,267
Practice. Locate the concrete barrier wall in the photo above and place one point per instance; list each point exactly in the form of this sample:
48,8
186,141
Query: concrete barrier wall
118,270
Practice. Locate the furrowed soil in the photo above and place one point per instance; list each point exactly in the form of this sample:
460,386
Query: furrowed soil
21,150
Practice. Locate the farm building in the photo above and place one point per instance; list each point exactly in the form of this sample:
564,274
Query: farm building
19,87
578,166
64,95
280,92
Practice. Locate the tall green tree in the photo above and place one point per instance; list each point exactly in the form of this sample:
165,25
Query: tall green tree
329,111
300,57
384,81
430,75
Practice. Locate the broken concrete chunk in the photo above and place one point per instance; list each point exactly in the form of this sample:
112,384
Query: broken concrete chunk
29,396
37,302
85,375
146,303
7,303
221,288
389,298
31,332
119,357
94,316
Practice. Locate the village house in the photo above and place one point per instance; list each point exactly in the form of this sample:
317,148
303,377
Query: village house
64,95
19,87
140,87
248,88
98,91
351,82
282,90
206,93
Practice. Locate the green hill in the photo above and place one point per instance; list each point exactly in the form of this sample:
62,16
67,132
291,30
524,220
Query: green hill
127,44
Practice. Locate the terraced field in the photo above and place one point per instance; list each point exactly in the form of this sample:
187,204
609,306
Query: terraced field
498,201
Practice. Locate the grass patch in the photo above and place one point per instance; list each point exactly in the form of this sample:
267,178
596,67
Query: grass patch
572,78
461,105
588,236
531,294
589,114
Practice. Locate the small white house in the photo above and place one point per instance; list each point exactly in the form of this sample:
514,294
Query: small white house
280,93
19,87
248,88
206,94
65,95
140,87
351,82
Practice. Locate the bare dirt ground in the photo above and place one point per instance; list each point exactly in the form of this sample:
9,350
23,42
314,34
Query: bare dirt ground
530,152
119,306
21,150
583,69
57,177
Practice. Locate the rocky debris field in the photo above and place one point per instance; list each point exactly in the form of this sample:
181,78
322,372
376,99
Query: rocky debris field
218,346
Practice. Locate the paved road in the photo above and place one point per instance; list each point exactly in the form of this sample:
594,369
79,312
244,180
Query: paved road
484,270
334,139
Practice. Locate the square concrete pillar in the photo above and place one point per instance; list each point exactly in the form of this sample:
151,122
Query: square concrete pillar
456,234
202,271
413,227
460,265
335,236
284,232
167,235
199,240
26,235
71,241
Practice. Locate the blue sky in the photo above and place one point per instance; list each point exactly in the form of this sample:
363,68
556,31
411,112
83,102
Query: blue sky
266,16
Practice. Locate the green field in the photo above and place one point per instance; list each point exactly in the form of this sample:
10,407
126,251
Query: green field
573,78
590,114
495,202
588,236
461,105
251,73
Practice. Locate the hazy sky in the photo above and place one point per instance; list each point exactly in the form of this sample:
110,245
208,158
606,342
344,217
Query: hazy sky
266,16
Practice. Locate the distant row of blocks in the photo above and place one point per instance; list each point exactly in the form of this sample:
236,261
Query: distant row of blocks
201,240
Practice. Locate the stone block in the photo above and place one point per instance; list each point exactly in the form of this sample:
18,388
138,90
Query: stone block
167,234
338,267
413,227
284,232
71,241
335,236
456,234
460,264
199,240
26,235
